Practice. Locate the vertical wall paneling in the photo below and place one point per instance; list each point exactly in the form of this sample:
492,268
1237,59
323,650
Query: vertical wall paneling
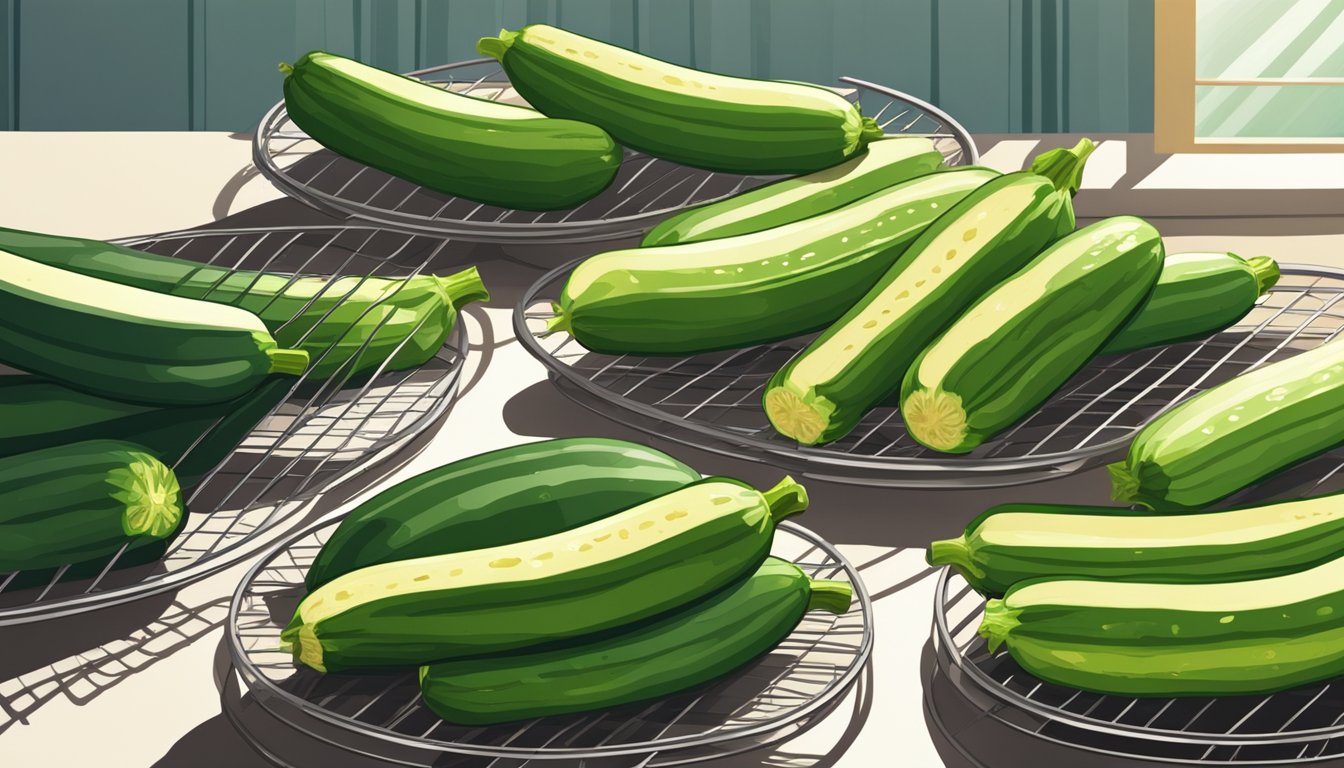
877,40
800,34
972,63
724,37
665,30
8,77
1139,66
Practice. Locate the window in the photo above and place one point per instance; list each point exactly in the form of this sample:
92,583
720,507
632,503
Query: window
1247,75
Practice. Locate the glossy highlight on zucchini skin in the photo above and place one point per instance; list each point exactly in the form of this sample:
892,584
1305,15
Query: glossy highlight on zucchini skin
700,643
1013,543
695,118
452,143
1016,345
654,557
884,163
1143,639
495,498
755,288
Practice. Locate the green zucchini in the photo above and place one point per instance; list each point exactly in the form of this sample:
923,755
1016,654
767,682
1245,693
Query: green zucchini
1198,294
36,413
403,321
82,501
695,118
1016,542
886,162
130,344
651,558
448,142
1232,435
1022,340
1141,639
823,392
751,289
501,497
690,647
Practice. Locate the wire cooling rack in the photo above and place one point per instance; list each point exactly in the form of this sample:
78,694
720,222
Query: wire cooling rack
644,191
713,401
1301,725
320,435
381,716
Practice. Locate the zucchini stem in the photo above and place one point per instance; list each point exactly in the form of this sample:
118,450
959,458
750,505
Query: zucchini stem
286,68
870,132
955,553
999,621
496,47
1266,271
1124,484
464,287
291,362
787,498
561,321
831,596
1064,166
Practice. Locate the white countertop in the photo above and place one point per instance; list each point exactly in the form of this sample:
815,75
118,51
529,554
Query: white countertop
67,697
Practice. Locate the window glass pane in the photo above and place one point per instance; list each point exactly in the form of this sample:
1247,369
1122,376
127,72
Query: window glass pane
1269,111
1243,39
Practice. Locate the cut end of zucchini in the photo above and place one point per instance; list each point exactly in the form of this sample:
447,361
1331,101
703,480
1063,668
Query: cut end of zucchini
1266,271
1064,166
955,553
290,362
1124,484
936,419
464,288
150,493
787,498
309,648
496,47
794,417
999,621
561,321
830,596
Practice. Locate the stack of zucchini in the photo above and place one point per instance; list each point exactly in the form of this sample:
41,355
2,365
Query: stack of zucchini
144,372
556,577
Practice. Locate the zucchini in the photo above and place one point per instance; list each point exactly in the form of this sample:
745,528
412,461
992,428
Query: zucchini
83,501
690,647
1021,341
493,153
1198,294
408,319
1140,639
130,344
1232,435
36,413
501,497
751,289
886,162
822,393
1016,542
695,118
656,556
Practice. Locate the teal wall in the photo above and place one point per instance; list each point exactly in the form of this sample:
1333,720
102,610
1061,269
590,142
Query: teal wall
996,65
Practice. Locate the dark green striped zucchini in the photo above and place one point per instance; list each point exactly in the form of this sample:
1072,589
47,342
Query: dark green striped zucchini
690,647
1198,294
130,344
823,392
82,501
403,321
1232,435
482,150
696,118
1140,639
36,413
885,163
501,497
1022,340
755,288
663,554
1016,542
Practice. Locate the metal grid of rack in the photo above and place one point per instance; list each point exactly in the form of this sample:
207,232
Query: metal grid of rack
320,434
644,191
712,400
381,716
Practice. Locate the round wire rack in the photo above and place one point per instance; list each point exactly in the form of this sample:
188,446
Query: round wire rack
713,401
382,717
319,435
1296,726
644,191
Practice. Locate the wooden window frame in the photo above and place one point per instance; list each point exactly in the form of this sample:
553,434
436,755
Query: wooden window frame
1174,83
